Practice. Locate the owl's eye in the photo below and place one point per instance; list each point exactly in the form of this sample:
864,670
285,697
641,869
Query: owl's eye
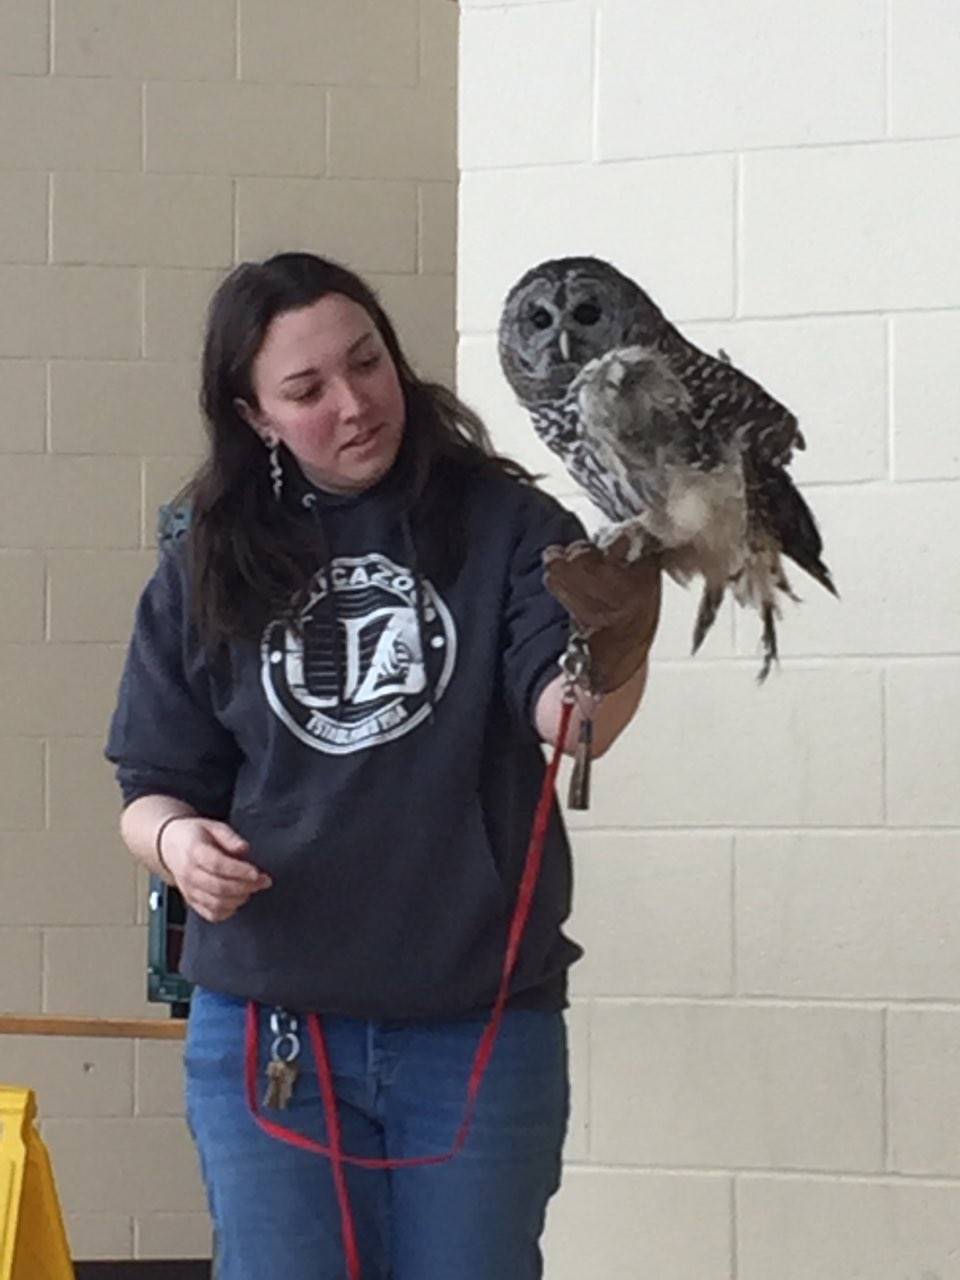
541,318
587,313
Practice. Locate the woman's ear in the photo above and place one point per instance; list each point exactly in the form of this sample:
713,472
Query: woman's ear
253,420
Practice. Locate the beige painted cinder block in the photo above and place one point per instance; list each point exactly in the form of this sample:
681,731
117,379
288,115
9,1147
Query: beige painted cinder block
926,406
21,785
736,1086
100,1166
72,1077
146,39
710,749
811,1228
337,42
439,42
619,1224
653,914
850,914
24,37
677,241
71,312
369,226
392,133
93,594
23,406
923,743
21,969
116,954
677,77
23,217
175,304
924,55
235,128
84,795
173,1235
52,689
93,1237
541,111
68,502
422,309
923,1048
163,478
125,407
22,592
159,1078
831,373
133,219
66,878
437,240
867,228
55,122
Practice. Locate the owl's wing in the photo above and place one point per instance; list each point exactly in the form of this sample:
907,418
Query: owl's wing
730,405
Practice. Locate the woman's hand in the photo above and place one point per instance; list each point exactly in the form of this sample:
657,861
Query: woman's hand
615,602
208,861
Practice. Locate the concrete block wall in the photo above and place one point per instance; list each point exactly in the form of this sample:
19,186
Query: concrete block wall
146,146
766,1026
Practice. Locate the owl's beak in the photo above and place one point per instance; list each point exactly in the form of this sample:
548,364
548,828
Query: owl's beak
564,344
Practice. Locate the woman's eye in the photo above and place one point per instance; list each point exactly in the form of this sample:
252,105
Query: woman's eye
370,362
305,396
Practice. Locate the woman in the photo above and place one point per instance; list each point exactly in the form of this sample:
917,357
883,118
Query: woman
328,737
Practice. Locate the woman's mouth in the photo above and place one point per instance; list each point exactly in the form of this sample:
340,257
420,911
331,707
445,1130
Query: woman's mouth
363,440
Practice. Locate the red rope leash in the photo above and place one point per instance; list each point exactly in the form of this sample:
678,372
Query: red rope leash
334,1151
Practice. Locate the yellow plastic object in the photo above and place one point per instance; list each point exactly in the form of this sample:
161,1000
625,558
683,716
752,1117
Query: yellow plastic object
33,1242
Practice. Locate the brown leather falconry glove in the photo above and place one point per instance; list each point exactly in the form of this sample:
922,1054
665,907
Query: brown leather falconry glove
614,603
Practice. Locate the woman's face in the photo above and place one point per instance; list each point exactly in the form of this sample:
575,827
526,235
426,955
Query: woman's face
328,389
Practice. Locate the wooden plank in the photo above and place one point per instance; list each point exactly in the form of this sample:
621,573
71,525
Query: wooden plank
53,1024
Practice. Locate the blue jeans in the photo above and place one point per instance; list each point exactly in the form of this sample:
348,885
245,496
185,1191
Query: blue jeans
400,1090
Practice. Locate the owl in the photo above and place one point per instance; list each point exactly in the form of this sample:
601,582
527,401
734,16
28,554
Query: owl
685,454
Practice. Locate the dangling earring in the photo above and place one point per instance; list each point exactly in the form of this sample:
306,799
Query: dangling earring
276,471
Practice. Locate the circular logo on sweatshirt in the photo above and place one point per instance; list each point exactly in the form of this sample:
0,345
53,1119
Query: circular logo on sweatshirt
366,659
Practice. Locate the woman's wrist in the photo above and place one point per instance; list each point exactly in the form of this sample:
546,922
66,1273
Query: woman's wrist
158,839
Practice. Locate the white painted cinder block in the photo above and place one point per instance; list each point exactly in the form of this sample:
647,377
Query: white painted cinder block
628,1224
695,75
718,1085
831,373
815,1228
923,742
859,914
710,749
667,223
851,229
923,1075
542,110
897,574
653,914
924,56
765,881
926,396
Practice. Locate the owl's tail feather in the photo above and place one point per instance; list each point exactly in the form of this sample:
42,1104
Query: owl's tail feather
770,653
710,603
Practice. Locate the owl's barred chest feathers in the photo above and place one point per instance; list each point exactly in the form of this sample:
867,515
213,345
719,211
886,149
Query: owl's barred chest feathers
681,449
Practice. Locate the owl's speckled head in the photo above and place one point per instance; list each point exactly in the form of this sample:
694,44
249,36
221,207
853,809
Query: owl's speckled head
564,313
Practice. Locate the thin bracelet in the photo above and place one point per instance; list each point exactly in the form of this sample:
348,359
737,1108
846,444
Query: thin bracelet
160,830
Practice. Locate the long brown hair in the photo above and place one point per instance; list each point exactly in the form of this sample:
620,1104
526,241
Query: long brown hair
247,554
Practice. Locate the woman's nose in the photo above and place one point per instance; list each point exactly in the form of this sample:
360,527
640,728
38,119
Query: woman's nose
350,402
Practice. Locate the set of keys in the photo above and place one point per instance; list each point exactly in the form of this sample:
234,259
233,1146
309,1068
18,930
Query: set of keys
575,665
283,1068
